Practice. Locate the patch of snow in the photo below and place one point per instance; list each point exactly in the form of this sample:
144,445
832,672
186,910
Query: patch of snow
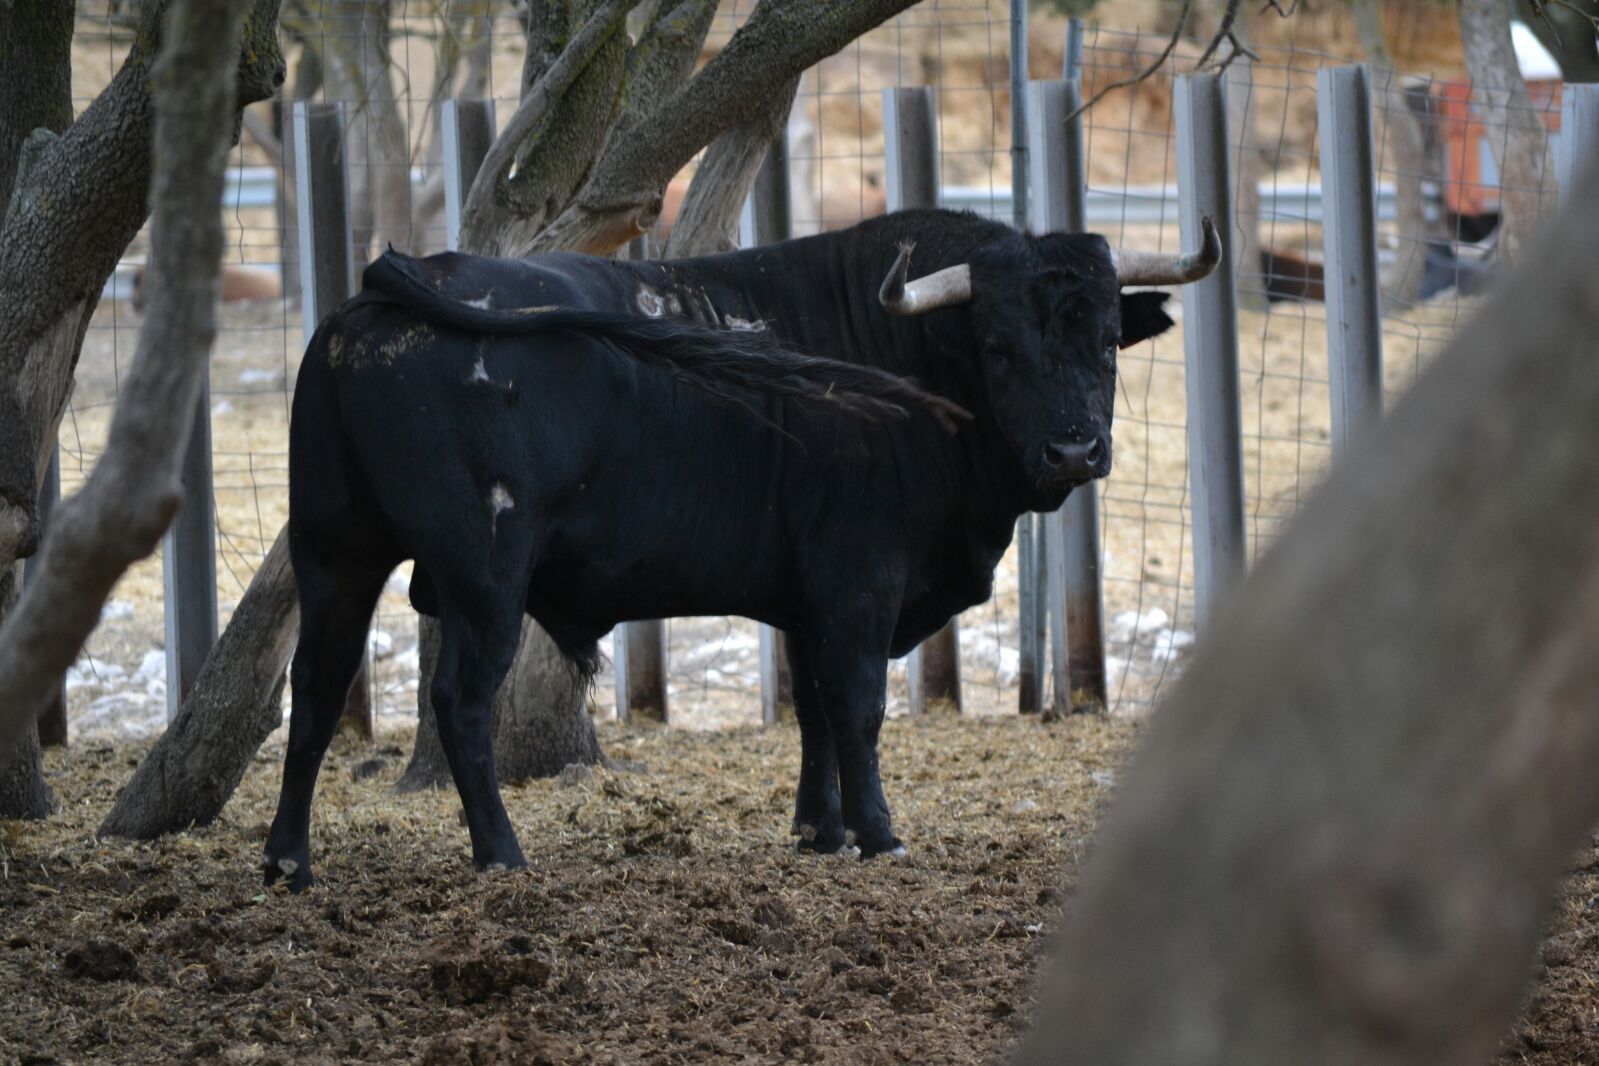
1131,624
379,644
1103,777
256,376
220,408
116,610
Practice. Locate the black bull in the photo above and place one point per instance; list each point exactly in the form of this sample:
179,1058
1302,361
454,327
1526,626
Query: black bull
553,436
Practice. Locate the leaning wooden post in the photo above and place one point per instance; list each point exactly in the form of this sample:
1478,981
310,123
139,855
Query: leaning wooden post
768,218
327,271
910,140
466,129
1210,346
1349,248
640,653
53,723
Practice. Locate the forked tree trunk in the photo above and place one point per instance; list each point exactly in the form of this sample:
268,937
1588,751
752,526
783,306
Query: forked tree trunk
1339,839
1516,133
134,490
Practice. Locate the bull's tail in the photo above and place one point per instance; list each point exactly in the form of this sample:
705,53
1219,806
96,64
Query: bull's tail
733,365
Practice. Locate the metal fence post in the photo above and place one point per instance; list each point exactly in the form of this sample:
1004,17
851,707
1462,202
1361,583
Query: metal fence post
466,128
1349,243
1578,144
285,203
910,140
1029,587
327,271
768,217
53,723
640,653
1210,345
1072,533
189,561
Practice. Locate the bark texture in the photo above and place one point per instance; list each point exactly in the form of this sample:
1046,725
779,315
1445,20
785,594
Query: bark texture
708,221
1401,135
1339,839
234,704
84,196
23,790
623,195
119,516
1516,132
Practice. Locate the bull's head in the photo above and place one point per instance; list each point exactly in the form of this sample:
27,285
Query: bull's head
1050,322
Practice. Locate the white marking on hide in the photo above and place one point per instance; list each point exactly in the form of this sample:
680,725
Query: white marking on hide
481,301
499,502
650,302
479,371
745,324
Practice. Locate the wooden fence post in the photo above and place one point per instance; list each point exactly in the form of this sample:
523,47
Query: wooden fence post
1210,346
768,217
327,272
910,141
53,723
1349,248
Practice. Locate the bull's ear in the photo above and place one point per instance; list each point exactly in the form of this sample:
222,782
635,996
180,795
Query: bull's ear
1143,317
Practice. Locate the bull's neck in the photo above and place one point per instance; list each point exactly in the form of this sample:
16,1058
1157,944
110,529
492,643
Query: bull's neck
820,294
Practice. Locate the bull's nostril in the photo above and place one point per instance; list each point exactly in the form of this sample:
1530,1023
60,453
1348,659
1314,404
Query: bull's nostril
1094,452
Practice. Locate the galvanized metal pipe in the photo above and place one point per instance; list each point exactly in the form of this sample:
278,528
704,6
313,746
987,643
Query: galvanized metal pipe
1349,242
1210,346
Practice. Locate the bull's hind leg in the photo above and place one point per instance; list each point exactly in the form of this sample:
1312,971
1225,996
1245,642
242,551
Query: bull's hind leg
818,817
477,645
335,610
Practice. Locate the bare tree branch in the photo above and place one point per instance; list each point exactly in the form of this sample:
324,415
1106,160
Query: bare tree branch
133,492
484,214
708,221
1340,837
623,197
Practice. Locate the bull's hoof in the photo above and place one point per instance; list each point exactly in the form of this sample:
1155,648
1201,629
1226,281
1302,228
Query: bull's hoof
296,873
818,840
500,864
887,844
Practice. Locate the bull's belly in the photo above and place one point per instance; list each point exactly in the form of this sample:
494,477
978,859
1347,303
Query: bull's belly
586,599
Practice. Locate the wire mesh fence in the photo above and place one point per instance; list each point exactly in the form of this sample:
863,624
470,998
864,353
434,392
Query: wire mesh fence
1435,150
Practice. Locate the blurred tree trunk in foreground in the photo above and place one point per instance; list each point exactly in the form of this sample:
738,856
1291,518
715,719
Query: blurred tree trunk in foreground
1340,837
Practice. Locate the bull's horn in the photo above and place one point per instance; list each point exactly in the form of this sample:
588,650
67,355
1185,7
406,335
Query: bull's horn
1159,268
952,285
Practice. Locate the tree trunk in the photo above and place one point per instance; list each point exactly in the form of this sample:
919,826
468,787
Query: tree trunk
357,62
23,791
541,718
1402,135
134,490
1341,835
428,768
84,196
1515,133
234,704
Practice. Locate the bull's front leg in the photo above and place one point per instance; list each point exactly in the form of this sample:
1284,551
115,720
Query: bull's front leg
851,677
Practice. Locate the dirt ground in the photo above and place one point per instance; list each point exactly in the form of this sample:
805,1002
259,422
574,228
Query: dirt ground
664,917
